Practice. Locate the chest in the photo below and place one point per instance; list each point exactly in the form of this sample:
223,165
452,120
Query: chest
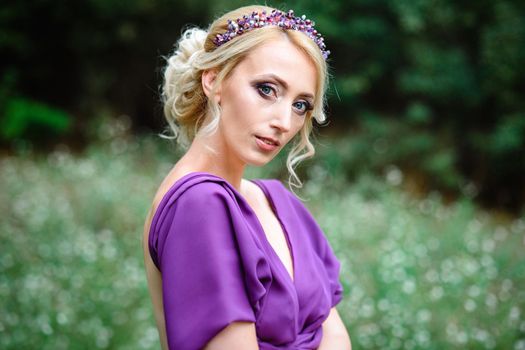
275,235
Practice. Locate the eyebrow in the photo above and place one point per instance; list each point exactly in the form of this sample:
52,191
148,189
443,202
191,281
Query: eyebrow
284,84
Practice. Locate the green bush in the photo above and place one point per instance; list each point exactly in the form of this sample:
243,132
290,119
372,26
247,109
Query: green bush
27,119
377,144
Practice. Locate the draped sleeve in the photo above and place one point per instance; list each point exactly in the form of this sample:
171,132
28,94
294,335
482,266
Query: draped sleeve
320,244
203,277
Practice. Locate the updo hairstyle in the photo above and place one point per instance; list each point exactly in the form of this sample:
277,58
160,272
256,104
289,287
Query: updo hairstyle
186,107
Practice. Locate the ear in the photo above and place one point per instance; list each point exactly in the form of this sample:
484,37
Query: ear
208,80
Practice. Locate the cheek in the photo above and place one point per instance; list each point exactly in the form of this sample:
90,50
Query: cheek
299,126
240,107
295,133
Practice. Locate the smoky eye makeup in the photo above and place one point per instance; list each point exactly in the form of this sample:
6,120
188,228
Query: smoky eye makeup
267,89
307,106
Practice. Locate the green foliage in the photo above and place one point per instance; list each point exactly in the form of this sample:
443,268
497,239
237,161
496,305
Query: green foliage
454,68
381,143
508,136
422,275
502,54
417,274
71,266
21,116
453,71
436,73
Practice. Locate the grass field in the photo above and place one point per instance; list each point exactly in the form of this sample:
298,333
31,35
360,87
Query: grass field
417,274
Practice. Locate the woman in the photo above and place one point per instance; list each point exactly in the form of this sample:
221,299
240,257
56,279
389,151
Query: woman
234,263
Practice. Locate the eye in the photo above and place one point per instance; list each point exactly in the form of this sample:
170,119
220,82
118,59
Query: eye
302,106
265,90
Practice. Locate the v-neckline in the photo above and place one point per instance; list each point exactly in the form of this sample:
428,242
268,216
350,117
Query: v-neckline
259,183
293,276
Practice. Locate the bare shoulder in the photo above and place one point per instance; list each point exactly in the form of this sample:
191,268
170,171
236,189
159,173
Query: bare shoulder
173,176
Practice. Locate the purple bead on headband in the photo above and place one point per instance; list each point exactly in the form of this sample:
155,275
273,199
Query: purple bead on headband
277,18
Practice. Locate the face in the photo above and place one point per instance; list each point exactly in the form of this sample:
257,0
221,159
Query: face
264,102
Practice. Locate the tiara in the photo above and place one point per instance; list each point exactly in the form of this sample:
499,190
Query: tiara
278,18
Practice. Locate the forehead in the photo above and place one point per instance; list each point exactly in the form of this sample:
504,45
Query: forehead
282,58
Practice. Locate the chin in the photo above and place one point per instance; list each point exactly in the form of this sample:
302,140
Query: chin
260,161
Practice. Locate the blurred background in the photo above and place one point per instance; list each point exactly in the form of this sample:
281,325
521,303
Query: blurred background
418,180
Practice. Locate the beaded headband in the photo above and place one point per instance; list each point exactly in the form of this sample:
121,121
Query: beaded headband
277,18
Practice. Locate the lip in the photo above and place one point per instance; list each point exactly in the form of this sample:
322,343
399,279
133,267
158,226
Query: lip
276,142
264,146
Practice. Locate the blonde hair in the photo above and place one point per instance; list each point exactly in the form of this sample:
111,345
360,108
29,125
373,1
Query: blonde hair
185,104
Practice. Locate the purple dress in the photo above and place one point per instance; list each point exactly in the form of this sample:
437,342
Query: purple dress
217,266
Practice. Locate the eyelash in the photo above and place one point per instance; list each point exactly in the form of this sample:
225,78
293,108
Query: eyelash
307,105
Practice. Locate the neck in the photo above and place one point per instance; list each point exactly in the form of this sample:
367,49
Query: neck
200,158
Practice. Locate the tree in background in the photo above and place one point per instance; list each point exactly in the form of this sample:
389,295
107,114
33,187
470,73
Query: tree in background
434,87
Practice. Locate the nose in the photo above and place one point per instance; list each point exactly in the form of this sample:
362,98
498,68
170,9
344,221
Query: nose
282,117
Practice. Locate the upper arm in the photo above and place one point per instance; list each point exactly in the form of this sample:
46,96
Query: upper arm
334,324
335,335
236,336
